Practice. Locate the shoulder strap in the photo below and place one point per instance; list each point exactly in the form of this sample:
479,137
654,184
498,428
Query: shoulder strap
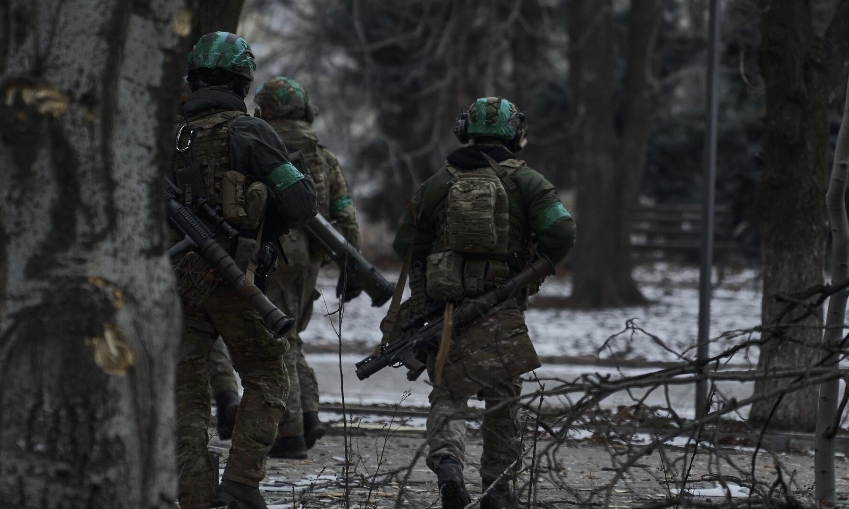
505,176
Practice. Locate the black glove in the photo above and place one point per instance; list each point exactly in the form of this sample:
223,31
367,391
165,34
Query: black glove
347,285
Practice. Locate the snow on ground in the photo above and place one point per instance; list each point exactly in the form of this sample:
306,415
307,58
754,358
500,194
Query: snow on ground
559,332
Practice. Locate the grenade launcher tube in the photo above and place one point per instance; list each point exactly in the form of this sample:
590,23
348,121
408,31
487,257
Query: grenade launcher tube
350,260
185,220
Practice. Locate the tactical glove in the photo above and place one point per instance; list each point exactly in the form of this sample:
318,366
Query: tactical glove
347,286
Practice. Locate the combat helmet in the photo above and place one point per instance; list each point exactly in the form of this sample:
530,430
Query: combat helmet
492,119
283,97
219,56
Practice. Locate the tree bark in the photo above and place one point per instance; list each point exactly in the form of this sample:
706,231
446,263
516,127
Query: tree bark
89,319
833,335
216,16
609,159
789,202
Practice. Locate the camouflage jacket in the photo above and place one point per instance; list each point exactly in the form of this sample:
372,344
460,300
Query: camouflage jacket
334,198
534,203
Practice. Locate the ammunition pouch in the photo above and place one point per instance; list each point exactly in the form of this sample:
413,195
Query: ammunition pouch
445,275
450,275
242,201
244,249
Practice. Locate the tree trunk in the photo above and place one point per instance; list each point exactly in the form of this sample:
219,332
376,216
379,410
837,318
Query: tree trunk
89,319
609,161
216,16
789,203
833,335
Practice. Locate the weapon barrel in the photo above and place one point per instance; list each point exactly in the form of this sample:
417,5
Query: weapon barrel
372,365
349,259
183,218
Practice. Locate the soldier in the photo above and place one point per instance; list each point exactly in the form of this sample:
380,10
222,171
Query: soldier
285,105
238,163
479,219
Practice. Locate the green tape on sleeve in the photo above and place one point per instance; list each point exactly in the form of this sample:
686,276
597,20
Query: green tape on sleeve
282,177
340,203
551,214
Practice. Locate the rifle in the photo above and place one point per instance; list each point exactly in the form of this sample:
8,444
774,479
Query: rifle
427,326
198,235
350,260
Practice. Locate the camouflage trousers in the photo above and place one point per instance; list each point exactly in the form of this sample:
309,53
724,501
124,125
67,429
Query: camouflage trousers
292,289
486,360
223,376
258,357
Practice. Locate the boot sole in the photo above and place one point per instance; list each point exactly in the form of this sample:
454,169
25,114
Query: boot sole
454,496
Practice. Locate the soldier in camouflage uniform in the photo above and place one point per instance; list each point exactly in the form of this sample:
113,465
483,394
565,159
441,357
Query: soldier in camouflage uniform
481,218
285,105
225,152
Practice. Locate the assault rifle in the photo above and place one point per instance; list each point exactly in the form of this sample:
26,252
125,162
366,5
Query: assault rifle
427,326
350,260
199,235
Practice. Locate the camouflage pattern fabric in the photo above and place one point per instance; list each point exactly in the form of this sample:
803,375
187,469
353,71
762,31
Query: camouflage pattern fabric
283,97
292,286
223,50
292,289
223,377
487,358
493,116
258,357
501,432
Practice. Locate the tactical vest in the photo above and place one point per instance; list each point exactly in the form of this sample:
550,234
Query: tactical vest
299,135
199,167
476,232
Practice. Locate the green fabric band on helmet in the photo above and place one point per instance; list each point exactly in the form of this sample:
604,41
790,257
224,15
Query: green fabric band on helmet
551,214
340,203
223,50
282,177
499,126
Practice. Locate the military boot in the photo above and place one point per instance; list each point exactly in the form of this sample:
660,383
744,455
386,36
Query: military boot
289,448
452,488
499,497
237,495
313,428
226,405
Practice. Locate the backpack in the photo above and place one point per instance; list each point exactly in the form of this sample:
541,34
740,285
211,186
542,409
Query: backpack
476,219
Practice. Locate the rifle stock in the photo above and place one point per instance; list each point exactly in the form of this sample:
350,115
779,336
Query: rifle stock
467,313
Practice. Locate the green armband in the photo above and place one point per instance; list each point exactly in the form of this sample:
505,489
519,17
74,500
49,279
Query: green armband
551,214
282,177
340,203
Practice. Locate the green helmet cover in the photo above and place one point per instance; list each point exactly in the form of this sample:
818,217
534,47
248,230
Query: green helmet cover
282,97
492,116
223,50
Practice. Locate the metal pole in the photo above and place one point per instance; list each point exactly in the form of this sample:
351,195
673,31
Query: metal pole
708,196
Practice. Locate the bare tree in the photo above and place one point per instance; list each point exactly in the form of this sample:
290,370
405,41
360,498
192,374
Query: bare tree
789,203
609,145
89,320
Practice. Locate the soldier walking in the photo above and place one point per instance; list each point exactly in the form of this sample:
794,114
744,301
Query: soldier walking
230,160
479,219
285,105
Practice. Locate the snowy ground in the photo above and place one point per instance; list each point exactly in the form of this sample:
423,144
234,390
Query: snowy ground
562,334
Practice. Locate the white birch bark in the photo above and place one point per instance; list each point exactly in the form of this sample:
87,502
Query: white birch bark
833,335
89,319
